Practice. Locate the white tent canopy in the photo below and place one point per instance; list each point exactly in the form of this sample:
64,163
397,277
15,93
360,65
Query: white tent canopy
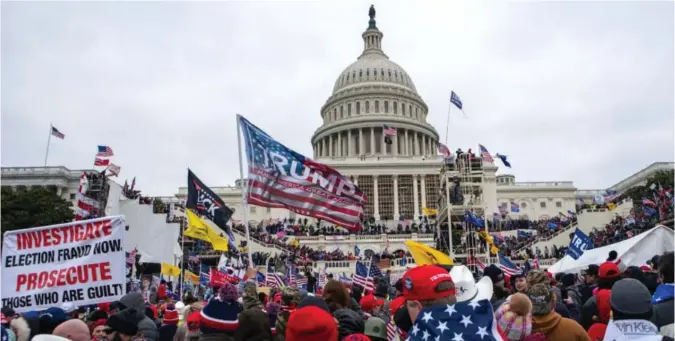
633,251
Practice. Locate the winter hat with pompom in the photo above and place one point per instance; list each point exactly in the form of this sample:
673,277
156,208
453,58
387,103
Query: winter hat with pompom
515,317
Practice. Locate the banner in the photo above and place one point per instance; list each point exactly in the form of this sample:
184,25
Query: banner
580,243
82,262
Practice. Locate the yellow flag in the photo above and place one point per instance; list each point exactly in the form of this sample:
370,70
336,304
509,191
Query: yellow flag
190,277
611,206
424,254
170,270
199,229
488,238
429,211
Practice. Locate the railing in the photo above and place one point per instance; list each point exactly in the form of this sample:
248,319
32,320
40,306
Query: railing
365,238
547,238
273,246
59,170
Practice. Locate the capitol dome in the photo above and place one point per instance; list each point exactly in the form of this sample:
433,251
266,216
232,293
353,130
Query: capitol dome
374,130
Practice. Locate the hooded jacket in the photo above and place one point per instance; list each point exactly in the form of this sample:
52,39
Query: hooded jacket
254,325
349,322
145,325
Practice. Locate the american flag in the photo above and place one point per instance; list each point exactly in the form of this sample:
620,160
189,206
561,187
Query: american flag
389,130
477,262
281,178
131,257
323,276
364,278
193,258
443,149
535,262
462,321
392,330
101,162
104,151
56,133
302,281
273,279
485,154
507,266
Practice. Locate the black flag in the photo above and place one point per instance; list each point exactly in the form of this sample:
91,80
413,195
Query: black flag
203,201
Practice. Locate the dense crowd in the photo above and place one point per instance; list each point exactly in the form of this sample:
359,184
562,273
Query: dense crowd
531,306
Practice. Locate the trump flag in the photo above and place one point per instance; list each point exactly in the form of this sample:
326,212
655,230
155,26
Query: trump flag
280,177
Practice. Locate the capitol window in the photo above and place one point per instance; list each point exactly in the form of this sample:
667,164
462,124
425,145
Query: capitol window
389,72
358,108
375,72
395,108
386,106
403,109
360,73
347,77
558,204
377,106
342,112
382,72
367,107
349,109
542,204
396,74
367,72
410,112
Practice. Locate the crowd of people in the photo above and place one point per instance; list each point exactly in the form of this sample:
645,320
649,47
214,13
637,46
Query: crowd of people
531,306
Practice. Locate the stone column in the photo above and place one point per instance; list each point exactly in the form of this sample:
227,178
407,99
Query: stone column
356,180
424,190
396,211
416,199
339,149
324,151
361,144
415,149
407,141
372,140
376,199
330,145
349,142
424,145
394,145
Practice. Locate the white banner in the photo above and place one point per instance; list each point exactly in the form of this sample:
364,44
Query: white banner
82,262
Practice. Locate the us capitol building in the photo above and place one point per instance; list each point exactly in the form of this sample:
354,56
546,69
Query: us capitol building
399,179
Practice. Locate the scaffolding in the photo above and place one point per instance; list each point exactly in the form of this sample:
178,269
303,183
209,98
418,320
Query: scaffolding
462,192
98,189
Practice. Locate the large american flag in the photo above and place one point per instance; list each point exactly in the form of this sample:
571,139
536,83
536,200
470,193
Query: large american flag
477,262
507,266
281,178
462,321
485,154
392,330
273,278
363,278
443,149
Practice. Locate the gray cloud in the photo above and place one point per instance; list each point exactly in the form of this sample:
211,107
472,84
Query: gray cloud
570,91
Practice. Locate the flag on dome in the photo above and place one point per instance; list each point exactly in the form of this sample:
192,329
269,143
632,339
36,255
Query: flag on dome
443,149
389,130
485,154
282,178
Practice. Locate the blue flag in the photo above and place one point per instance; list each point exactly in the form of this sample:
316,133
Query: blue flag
580,243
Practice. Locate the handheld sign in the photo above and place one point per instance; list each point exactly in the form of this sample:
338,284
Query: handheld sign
580,243
81,262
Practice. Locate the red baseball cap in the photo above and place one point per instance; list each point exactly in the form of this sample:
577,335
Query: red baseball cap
394,305
609,270
419,283
369,302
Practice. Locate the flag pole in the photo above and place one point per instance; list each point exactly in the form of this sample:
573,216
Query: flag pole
447,124
49,140
244,189
182,260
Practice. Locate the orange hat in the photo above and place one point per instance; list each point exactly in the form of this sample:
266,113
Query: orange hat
369,302
419,283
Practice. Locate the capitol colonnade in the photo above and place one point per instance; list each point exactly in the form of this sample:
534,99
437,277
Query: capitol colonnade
363,141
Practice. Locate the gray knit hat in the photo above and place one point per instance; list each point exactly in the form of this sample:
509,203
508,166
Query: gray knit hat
631,297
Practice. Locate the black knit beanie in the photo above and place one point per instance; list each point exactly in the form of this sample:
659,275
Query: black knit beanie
124,322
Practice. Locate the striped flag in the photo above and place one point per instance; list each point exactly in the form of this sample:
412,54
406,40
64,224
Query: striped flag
274,280
477,262
281,178
56,133
101,162
389,130
485,154
443,149
105,151
392,330
323,276
507,266
364,278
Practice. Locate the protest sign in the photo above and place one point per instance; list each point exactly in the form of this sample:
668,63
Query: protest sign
81,262
579,243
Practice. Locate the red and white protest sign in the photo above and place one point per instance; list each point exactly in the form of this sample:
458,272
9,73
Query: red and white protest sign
82,262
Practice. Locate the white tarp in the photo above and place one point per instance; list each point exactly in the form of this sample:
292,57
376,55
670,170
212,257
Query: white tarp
149,233
633,251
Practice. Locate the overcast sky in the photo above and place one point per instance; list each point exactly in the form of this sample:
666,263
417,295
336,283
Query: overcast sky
569,91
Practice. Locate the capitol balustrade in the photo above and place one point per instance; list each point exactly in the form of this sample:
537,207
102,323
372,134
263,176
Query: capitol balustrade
374,243
399,265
